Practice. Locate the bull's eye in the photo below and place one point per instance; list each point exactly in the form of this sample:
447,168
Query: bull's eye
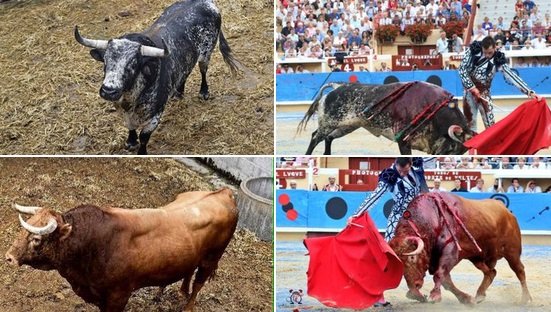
36,240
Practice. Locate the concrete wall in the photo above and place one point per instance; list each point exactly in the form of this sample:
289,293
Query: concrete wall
255,196
243,168
256,207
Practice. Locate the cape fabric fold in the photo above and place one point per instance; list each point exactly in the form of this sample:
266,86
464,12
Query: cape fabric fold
523,132
353,268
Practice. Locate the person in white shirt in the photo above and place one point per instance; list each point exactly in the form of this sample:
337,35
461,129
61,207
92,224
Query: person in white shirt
437,187
431,5
521,164
538,42
442,43
531,187
332,186
479,188
537,164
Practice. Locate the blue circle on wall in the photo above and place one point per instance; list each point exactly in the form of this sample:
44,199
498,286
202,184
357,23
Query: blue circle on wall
387,208
502,198
336,208
390,79
435,80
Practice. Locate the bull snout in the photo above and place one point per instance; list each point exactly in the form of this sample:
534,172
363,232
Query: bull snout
11,260
109,93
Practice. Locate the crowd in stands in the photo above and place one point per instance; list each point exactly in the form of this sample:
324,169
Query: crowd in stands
321,28
466,162
479,187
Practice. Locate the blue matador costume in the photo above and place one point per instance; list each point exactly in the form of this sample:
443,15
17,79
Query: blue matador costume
477,71
403,190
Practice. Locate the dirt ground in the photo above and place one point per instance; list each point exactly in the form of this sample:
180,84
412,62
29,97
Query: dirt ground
50,85
359,142
503,295
244,277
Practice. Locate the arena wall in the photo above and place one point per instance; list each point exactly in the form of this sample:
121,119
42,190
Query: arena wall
301,211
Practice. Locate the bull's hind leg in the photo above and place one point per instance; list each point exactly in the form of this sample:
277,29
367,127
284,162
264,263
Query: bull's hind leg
488,268
518,268
335,134
204,60
159,294
184,289
314,141
202,275
328,143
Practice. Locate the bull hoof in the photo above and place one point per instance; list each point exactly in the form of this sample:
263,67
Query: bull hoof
479,298
435,297
525,299
204,95
413,296
184,294
469,301
131,146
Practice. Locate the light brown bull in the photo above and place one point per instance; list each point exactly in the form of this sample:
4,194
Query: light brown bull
106,253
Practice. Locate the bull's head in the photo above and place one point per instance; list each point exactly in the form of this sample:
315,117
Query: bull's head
411,251
123,60
451,131
37,244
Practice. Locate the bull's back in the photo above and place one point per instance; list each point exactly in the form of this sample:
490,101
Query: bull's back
182,20
490,222
160,246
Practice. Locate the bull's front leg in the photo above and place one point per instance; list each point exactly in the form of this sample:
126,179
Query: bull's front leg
449,258
131,141
405,147
461,296
146,132
116,301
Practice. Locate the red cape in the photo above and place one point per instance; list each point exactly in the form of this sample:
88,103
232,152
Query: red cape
523,132
353,268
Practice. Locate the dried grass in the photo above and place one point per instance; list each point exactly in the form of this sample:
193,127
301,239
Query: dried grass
49,96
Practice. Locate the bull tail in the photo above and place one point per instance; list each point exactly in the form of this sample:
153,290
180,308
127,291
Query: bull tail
226,53
314,106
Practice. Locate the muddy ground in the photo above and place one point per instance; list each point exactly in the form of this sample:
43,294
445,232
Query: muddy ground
503,295
359,142
50,85
244,277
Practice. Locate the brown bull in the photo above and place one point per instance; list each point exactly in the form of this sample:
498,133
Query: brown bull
440,229
106,253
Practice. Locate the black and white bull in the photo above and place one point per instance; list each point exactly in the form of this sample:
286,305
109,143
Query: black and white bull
142,71
416,115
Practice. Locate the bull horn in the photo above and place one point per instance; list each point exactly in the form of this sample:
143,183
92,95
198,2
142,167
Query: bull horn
49,228
26,209
90,43
153,51
420,245
451,132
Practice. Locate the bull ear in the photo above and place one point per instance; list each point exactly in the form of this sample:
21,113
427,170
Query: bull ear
97,54
65,230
